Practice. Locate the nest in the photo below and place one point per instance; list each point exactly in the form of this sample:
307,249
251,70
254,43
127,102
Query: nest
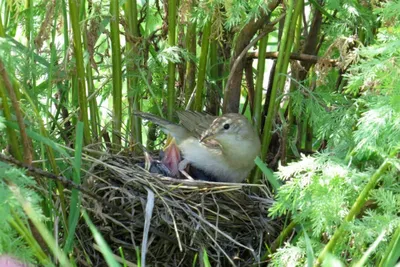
172,222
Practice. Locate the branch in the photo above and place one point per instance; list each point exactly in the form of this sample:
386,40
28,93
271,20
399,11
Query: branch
68,183
268,28
233,87
294,56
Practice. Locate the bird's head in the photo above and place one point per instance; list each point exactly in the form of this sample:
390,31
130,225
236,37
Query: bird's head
232,131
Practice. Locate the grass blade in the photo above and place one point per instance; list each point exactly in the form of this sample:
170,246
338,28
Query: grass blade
268,173
75,200
309,249
104,248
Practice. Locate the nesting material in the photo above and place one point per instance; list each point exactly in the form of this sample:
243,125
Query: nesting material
170,222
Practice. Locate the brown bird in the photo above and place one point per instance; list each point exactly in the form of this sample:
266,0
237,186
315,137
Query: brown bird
224,147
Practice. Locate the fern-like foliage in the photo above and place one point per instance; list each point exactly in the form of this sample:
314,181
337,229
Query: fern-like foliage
11,242
318,193
362,128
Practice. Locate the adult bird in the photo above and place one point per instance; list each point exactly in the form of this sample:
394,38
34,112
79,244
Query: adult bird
224,147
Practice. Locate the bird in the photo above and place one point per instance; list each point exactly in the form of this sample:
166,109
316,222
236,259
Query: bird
224,147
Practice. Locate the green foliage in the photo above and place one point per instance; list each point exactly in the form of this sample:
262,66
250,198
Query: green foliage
319,194
378,129
238,13
351,16
362,122
389,11
358,118
332,115
10,240
290,255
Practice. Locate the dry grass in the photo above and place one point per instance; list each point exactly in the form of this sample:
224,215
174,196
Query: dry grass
176,218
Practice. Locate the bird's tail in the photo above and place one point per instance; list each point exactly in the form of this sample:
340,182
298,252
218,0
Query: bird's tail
177,131
153,118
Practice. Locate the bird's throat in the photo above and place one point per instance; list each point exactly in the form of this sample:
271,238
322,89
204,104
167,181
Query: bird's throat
240,153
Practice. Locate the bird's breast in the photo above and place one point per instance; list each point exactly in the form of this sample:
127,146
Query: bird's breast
215,161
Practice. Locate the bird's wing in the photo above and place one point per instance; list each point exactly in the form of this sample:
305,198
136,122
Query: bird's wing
195,122
177,131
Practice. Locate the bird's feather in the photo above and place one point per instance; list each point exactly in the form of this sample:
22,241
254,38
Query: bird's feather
156,119
177,131
227,153
195,122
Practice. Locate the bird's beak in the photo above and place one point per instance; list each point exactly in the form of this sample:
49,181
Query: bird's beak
207,136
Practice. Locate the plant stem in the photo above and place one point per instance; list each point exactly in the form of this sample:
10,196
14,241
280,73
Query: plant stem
198,104
93,109
131,72
279,79
390,257
278,241
116,73
12,138
355,209
26,234
190,81
80,70
259,82
293,85
172,7
213,94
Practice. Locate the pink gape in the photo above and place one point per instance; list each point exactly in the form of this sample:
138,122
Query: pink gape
172,157
8,261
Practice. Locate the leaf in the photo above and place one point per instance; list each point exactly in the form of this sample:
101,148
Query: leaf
268,173
206,261
103,246
309,249
75,200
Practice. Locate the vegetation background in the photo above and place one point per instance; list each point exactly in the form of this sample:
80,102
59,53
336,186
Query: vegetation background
319,80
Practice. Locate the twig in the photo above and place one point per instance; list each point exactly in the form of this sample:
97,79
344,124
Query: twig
70,184
295,56
268,28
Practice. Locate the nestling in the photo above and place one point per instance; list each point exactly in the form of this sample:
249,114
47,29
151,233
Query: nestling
224,147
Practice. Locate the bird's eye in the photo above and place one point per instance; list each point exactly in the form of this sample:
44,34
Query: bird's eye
226,126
